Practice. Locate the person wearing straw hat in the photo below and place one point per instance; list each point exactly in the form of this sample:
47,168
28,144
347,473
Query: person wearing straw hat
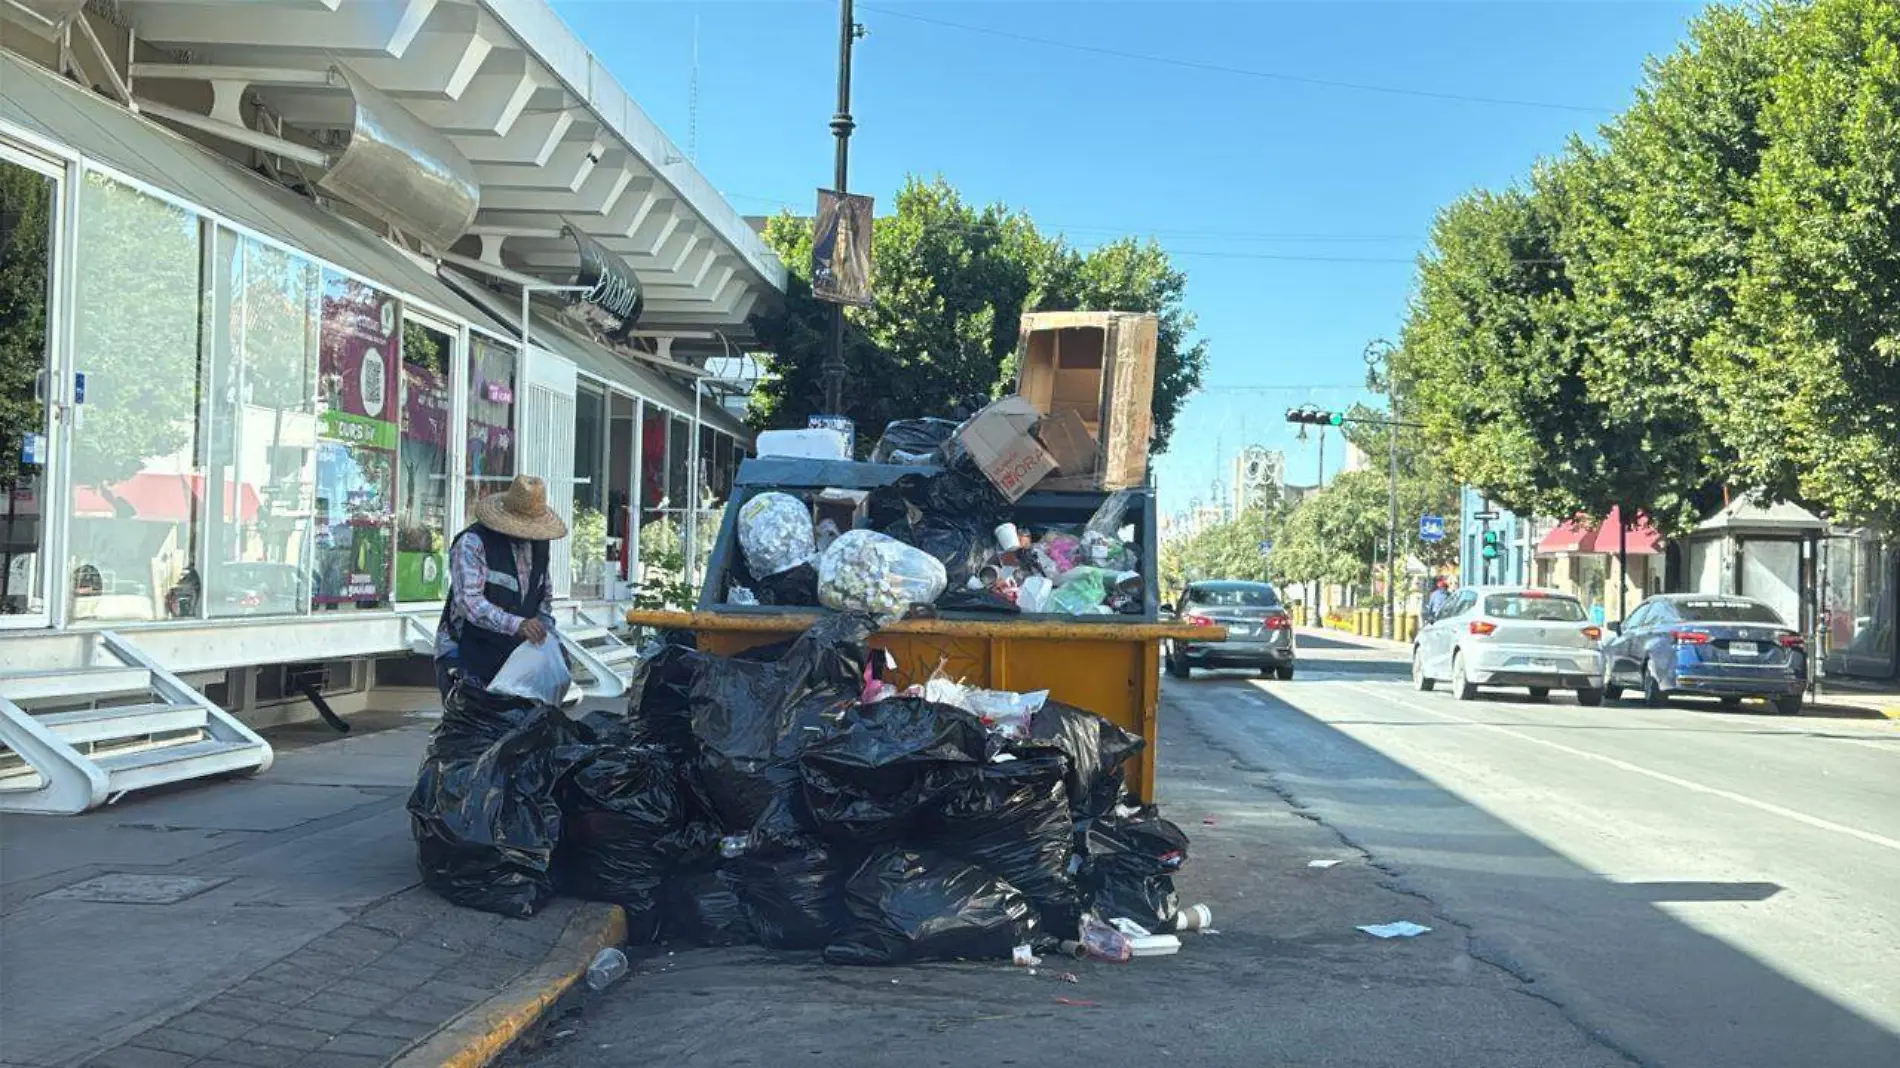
499,588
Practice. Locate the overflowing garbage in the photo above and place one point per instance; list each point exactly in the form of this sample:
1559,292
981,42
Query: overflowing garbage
780,798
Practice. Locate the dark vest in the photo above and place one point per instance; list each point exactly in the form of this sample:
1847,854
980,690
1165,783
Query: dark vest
482,651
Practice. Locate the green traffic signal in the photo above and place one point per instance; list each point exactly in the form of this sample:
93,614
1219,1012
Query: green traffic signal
1336,418
1492,540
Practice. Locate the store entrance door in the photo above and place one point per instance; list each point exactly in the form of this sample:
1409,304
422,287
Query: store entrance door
29,210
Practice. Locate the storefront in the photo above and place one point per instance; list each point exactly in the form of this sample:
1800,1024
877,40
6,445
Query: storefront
222,401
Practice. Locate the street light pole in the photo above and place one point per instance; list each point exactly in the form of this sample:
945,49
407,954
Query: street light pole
1379,352
833,369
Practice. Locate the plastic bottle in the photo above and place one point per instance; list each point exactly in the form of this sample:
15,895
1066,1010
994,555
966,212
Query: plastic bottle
608,966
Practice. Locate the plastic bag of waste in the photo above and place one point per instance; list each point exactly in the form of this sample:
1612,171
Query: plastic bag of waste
1005,713
1096,750
904,906
1011,819
535,671
912,441
795,586
865,571
795,900
1102,543
883,771
752,718
624,828
658,706
775,533
1057,552
703,907
483,811
1130,866
951,515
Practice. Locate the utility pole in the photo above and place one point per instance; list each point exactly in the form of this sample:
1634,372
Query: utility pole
833,370
1378,354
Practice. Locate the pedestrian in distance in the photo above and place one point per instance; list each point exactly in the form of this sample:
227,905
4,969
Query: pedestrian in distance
499,587
1441,592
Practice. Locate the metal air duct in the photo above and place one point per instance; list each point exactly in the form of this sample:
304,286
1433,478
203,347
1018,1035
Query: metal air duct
403,172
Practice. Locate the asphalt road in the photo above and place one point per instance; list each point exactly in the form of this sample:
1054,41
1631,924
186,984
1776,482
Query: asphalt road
1694,886
1612,886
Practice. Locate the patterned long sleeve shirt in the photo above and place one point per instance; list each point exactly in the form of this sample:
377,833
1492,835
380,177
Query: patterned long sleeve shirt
468,576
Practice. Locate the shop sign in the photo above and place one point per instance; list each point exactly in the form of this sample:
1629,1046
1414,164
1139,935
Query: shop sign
613,299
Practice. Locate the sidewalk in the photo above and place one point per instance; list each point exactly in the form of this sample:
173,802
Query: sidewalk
274,922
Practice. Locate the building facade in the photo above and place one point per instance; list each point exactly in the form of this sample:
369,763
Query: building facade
289,286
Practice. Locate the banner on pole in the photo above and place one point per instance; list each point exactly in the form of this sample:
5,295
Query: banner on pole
841,249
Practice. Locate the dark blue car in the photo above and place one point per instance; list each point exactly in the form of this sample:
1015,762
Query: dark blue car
1708,644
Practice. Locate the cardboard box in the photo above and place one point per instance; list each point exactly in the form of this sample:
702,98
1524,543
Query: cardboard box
845,508
1099,366
1069,443
1001,439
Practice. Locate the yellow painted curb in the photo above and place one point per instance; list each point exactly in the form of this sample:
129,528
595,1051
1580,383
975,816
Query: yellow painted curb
478,1036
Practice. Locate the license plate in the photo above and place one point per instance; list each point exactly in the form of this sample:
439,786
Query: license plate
1239,632
1744,649
1543,665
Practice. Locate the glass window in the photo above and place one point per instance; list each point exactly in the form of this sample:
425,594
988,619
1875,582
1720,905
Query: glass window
1233,595
1712,610
422,484
725,461
1539,607
621,443
1863,592
491,417
26,262
357,441
260,424
588,541
659,538
137,508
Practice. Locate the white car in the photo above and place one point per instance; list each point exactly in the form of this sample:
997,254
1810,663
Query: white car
1511,636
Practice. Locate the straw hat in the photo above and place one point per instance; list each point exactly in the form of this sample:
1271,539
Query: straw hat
521,511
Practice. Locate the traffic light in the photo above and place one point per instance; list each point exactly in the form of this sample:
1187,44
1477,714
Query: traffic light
1493,544
1314,416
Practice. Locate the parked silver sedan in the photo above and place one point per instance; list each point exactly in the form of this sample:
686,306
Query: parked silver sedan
1511,636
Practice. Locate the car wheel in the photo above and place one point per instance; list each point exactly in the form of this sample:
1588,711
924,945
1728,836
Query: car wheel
1788,706
1540,693
1420,681
1461,687
1653,694
1177,667
1285,671
1612,693
1590,698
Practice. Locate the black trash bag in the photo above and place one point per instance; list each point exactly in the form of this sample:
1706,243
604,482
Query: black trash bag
968,600
483,812
902,907
659,707
912,441
795,900
749,715
950,515
887,766
703,907
623,830
794,586
1011,819
1129,872
1096,750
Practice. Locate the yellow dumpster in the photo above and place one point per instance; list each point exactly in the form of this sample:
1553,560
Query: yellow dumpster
1110,669
1107,664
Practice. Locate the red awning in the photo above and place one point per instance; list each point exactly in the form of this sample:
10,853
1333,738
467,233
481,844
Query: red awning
158,498
1599,537
1638,540
1573,536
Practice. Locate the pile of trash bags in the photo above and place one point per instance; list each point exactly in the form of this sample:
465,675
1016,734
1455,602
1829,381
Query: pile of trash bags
945,539
789,798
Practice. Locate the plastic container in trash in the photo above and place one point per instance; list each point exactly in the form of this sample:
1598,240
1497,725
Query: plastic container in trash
608,966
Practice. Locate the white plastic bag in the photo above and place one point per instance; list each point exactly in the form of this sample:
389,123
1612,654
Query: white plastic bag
535,673
775,532
864,571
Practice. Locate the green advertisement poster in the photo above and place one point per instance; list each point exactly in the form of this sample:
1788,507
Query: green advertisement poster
422,576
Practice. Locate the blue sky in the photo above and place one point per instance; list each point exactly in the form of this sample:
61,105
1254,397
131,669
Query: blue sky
1294,208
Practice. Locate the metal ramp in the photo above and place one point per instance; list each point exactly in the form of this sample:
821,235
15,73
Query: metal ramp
87,717
607,663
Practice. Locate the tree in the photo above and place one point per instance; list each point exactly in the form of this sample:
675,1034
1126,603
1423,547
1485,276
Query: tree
1227,550
950,283
1809,377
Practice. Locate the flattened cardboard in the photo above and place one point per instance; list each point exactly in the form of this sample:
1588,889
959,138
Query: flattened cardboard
1069,443
1001,439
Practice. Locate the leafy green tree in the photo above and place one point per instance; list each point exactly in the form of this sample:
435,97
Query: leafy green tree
1227,550
1809,373
950,283
25,265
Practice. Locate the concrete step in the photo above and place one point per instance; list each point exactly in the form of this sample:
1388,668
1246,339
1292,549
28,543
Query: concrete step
123,721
